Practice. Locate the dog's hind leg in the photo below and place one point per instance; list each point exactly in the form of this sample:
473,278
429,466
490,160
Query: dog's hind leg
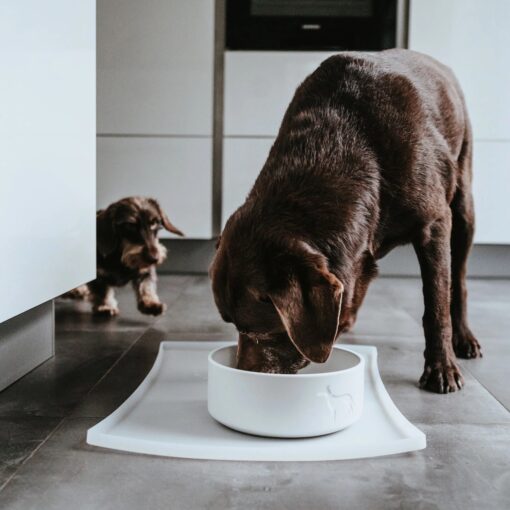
463,219
145,286
103,299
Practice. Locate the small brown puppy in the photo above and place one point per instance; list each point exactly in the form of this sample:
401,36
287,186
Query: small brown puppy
128,250
374,151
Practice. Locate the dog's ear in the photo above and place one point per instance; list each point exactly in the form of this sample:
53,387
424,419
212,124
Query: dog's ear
164,219
107,239
309,302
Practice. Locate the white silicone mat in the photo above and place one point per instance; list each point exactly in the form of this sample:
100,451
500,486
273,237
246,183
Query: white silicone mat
167,415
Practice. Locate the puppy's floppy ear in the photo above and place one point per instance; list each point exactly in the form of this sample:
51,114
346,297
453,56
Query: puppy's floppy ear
164,219
309,303
107,238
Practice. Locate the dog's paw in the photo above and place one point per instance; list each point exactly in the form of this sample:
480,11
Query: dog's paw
79,293
466,345
105,311
441,377
151,307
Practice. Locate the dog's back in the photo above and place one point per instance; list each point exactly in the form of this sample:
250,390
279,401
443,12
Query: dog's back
391,89
395,120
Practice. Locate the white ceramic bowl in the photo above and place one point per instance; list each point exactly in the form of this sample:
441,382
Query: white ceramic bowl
320,399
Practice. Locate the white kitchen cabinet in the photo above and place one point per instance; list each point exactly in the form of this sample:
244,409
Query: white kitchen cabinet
260,85
243,159
491,187
47,156
175,171
155,66
155,85
258,88
472,37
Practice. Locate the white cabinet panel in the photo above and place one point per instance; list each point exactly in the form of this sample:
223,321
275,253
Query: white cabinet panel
260,85
175,171
47,156
155,66
491,184
472,37
243,159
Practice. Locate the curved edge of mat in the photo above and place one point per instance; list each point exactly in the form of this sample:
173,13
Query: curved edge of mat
413,438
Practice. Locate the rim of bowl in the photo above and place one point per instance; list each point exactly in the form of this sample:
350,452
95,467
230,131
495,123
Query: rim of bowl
265,374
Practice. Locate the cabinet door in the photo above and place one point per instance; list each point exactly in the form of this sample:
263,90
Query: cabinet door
491,184
472,37
243,159
175,171
155,66
47,156
260,85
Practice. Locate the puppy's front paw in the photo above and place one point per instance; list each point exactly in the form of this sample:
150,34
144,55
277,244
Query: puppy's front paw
466,345
151,307
105,311
79,293
441,377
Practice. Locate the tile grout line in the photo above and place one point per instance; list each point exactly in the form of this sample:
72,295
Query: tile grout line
32,453
466,367
142,333
69,414
463,424
129,330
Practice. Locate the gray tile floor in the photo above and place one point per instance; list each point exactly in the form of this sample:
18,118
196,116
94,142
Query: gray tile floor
46,464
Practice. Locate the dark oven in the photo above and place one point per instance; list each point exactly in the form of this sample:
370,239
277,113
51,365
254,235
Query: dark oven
311,24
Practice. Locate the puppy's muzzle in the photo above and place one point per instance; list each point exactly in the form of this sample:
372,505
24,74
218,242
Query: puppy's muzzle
139,256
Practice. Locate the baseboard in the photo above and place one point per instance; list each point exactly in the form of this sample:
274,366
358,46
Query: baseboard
485,261
26,341
194,256
188,256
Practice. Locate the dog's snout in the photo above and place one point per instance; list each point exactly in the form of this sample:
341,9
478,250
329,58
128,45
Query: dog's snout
276,356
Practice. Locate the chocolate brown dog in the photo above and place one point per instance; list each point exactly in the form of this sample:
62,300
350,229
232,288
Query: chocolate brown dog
374,151
128,250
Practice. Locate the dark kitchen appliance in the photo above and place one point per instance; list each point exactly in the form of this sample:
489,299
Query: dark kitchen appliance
311,24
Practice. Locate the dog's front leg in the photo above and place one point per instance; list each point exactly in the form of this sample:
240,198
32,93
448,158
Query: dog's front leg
441,374
103,298
145,286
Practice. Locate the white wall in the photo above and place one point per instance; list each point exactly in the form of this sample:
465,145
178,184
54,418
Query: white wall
47,155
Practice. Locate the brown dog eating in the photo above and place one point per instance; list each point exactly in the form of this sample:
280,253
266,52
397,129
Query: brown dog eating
128,250
373,152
